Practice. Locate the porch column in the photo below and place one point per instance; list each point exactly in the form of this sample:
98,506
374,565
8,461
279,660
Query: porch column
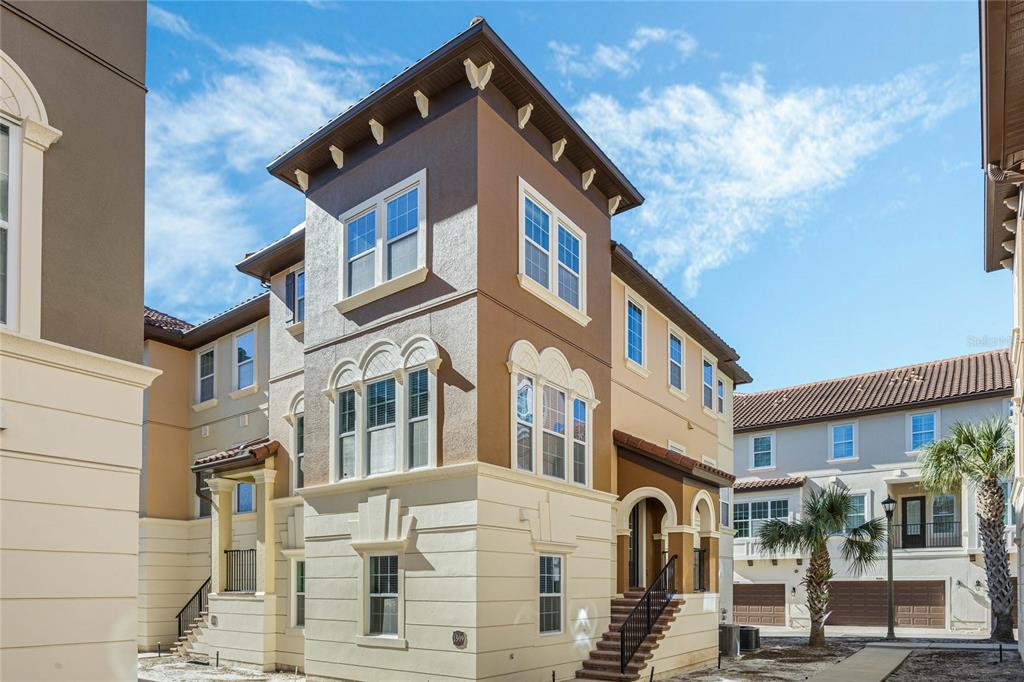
222,490
680,544
710,543
622,561
265,545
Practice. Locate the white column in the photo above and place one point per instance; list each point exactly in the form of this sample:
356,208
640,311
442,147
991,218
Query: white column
222,490
265,544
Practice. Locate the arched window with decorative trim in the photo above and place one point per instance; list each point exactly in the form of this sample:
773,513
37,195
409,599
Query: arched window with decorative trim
384,418
297,418
552,415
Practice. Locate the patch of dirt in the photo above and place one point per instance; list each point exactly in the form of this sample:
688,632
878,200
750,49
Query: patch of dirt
778,660
178,669
963,666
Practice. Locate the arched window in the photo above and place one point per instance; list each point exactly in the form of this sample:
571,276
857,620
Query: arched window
297,418
552,410
385,410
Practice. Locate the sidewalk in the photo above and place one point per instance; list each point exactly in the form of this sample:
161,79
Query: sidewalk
878,633
870,664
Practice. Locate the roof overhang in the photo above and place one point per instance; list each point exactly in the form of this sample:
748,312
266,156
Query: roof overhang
242,315
629,270
275,257
761,485
442,69
649,452
241,456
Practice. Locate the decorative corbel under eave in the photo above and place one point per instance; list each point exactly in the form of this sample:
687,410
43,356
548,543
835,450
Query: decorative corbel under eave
613,204
1009,245
338,156
478,76
422,103
557,149
302,177
1007,263
378,131
588,177
1010,225
524,114
1012,203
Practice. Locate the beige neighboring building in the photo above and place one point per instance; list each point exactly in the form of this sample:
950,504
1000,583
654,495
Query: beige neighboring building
71,382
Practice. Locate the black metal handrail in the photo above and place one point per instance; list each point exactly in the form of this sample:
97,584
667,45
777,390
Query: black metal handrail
920,535
194,608
241,570
641,620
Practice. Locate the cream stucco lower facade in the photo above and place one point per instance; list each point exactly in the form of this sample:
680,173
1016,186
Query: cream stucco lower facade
70,456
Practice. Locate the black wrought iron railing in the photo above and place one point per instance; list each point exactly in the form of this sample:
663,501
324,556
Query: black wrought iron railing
918,535
240,575
194,608
641,620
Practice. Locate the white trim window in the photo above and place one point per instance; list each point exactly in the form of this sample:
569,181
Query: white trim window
720,391
858,515
675,361
923,430
295,295
708,381
346,406
524,407
943,514
579,441
553,433
299,594
748,517
206,375
383,595
245,498
843,441
10,164
205,505
635,332
552,254
300,449
762,451
418,398
245,359
551,593
1009,512
384,242
381,431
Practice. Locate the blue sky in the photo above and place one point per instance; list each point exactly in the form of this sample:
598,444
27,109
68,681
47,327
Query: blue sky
812,171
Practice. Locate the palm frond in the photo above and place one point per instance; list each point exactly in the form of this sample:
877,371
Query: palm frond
862,545
782,537
971,452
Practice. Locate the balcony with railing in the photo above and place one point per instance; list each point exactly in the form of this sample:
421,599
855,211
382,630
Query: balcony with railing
943,534
240,570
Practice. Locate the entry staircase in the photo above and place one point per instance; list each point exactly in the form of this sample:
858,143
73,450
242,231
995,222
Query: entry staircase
192,621
639,620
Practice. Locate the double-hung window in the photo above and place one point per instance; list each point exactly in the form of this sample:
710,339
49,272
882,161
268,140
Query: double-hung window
418,383
346,401
553,443
300,447
245,359
943,515
300,594
922,430
858,515
721,396
207,375
245,498
9,190
524,421
634,332
550,593
552,254
385,238
295,295
708,380
675,362
579,442
380,426
383,595
842,441
763,452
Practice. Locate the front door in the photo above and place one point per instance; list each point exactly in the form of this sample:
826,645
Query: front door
635,546
913,522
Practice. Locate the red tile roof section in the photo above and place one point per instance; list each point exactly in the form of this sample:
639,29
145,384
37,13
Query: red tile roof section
164,321
962,378
260,448
669,457
770,484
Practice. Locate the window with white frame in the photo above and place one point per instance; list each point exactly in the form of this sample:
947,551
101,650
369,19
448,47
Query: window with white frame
385,236
553,445
552,251
723,512
843,441
675,362
579,441
9,165
245,498
205,499
380,426
748,517
634,332
762,451
245,359
922,430
943,514
524,421
708,379
383,595
721,396
419,413
295,295
1009,513
858,514
300,449
346,405
206,370
550,593
300,594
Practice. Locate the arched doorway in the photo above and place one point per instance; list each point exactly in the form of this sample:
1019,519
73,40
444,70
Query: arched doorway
648,546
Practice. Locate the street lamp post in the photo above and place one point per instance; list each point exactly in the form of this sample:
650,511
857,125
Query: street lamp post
889,505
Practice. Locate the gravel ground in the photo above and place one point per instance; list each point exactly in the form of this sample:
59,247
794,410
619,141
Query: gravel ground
177,669
962,666
778,660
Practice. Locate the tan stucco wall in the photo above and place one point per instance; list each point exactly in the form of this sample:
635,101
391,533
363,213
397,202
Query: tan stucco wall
166,481
70,456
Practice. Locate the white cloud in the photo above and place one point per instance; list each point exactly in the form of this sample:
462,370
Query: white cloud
205,155
721,167
621,60
169,21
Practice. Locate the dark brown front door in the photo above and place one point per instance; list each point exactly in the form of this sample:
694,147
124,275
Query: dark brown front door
759,604
919,603
913,522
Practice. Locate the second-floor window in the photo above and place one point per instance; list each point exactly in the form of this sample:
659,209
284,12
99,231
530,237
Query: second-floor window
552,254
207,375
550,593
579,441
842,441
245,498
943,513
635,332
748,517
300,449
346,433
380,426
922,430
708,378
9,144
858,511
1009,513
675,362
245,359
553,450
419,411
295,295
763,452
721,396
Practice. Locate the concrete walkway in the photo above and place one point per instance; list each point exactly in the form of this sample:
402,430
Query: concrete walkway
867,665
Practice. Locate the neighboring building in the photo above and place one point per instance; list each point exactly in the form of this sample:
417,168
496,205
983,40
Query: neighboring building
864,433
72,130
498,427
1002,157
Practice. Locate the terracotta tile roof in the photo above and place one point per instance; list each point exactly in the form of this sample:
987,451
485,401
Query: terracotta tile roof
770,484
258,448
962,378
673,459
164,321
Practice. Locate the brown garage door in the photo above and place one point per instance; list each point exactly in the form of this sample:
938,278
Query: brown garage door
759,604
919,603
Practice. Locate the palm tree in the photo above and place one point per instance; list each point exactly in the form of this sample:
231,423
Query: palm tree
825,516
982,455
